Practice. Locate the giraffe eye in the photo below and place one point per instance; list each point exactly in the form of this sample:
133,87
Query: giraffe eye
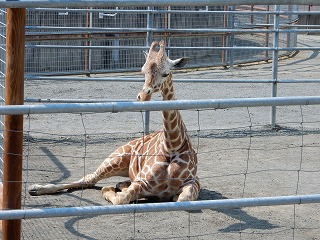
148,91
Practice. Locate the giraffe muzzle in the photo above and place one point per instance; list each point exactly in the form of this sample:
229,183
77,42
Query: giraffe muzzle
142,96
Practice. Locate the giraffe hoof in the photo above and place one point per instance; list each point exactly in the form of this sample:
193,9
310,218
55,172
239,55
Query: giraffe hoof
108,193
35,190
108,189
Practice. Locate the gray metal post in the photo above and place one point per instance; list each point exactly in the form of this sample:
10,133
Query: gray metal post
233,9
146,126
116,42
266,41
90,43
169,26
149,26
275,63
292,37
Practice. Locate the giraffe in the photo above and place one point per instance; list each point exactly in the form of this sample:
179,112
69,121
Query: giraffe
162,164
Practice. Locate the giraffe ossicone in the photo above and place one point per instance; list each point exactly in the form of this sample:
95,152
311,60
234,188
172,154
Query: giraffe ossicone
162,164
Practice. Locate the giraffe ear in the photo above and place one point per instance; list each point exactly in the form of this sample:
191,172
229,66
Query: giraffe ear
178,63
145,54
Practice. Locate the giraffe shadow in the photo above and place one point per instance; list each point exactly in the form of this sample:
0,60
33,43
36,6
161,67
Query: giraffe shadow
246,221
59,165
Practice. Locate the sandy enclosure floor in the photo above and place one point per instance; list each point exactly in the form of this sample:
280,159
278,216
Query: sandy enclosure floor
239,156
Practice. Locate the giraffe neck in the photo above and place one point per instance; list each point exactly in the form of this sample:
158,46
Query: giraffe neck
175,134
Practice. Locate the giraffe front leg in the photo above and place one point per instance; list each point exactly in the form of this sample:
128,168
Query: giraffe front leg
117,164
125,196
188,192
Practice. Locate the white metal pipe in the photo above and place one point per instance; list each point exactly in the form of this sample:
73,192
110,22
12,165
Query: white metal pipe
157,105
189,80
84,30
175,48
144,3
159,30
157,207
160,11
61,100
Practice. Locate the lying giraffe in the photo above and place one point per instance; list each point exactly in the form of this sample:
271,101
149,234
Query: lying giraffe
162,164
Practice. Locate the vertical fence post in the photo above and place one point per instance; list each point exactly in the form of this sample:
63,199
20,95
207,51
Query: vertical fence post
13,124
149,26
224,39
266,41
168,26
88,51
146,127
275,63
233,18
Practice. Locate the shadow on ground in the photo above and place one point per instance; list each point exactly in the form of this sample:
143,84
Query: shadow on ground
246,221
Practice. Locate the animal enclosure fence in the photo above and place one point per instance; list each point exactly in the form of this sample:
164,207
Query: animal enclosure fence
253,168
90,40
242,164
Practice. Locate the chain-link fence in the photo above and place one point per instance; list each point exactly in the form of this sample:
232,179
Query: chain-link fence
71,41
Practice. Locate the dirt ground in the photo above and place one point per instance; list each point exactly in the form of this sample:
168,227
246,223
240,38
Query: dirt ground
239,156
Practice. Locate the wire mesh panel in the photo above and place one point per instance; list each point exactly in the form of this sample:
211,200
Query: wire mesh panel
239,157
112,39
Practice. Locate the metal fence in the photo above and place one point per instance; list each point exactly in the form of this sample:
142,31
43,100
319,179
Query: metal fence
83,46
91,40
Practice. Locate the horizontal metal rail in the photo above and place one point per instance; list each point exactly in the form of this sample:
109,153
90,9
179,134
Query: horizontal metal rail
155,11
189,80
157,207
176,48
157,30
167,30
59,100
157,105
144,3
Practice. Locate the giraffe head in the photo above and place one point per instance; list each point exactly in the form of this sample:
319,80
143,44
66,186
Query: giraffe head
156,70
